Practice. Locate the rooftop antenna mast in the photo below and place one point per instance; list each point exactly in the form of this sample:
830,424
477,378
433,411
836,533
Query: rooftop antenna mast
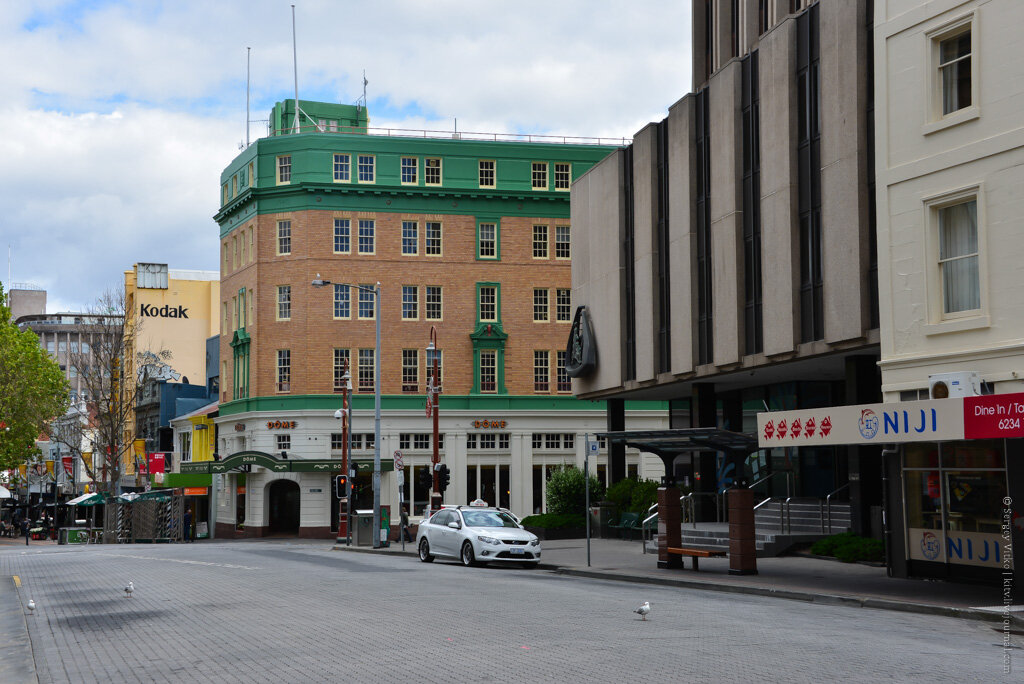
361,102
295,66
248,50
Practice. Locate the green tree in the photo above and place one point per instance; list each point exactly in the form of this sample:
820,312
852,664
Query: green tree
33,390
566,493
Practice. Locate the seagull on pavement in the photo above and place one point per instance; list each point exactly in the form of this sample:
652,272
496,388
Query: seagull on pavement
129,589
31,607
643,610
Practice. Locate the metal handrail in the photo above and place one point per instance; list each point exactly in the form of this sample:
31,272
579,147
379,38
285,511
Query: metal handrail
789,480
789,520
693,513
828,507
644,529
450,135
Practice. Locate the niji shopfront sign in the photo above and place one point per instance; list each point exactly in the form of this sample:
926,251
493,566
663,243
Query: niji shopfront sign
987,417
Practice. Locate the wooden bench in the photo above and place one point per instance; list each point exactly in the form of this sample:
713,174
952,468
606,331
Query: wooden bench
695,554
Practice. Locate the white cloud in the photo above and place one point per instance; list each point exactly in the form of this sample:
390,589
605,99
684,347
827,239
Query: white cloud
120,116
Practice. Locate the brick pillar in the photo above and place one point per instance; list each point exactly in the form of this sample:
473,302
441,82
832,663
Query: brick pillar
742,544
669,527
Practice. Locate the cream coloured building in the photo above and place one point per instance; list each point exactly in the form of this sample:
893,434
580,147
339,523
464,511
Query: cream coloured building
949,94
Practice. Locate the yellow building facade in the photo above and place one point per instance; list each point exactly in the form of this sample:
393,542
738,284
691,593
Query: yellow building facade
168,310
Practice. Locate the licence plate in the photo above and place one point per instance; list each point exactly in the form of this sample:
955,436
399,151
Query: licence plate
517,551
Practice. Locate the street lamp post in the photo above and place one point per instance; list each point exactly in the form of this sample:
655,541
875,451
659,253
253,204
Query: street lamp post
319,282
433,390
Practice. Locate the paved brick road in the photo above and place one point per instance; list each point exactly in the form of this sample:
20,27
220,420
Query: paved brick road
287,612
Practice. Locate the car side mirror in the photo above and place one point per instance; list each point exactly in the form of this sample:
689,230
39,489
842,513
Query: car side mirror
454,525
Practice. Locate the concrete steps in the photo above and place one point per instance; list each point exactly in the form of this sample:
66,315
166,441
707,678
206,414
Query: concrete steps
802,527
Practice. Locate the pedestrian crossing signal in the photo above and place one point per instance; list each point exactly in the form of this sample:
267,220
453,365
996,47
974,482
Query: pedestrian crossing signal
341,486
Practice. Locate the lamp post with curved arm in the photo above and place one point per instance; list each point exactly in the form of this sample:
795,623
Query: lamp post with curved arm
433,390
319,282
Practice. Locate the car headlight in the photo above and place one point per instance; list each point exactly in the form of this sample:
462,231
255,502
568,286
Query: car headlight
535,542
489,540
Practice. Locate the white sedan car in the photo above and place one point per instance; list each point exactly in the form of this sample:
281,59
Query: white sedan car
476,536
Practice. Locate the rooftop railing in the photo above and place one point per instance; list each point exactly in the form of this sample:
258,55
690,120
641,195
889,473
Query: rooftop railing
450,135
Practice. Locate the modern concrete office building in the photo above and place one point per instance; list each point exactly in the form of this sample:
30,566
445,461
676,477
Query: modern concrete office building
468,237
726,257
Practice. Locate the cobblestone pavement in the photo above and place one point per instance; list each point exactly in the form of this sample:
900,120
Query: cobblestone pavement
284,611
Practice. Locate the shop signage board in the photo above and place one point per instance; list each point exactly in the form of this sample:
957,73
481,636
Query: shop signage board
962,547
298,465
937,420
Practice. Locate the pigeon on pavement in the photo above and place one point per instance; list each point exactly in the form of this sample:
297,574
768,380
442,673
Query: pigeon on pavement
31,607
643,610
129,589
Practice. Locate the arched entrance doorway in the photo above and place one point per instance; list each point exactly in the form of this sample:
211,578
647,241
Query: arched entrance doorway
283,498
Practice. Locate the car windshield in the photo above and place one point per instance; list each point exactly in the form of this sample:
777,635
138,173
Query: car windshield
488,519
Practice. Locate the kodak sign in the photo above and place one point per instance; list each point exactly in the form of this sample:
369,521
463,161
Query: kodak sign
165,311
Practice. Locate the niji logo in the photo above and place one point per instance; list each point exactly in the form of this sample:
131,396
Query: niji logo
769,429
809,427
794,428
782,429
826,426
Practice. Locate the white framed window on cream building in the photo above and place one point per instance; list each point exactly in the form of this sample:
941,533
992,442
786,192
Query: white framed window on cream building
957,296
953,73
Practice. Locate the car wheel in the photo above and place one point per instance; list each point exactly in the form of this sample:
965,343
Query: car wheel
425,551
468,557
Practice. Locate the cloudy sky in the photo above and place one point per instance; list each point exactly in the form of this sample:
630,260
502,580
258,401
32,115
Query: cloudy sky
120,114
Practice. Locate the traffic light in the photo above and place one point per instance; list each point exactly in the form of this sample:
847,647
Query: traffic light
426,478
341,486
444,478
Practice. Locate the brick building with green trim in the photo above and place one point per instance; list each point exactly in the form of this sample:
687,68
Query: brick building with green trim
470,237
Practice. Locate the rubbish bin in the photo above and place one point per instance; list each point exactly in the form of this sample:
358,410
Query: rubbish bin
73,535
362,531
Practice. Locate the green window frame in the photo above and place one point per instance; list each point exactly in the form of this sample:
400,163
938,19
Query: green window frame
488,295
488,240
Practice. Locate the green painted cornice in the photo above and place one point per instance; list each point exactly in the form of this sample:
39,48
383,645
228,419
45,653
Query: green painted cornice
408,402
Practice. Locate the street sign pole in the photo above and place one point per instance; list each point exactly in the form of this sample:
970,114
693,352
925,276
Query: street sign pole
586,489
